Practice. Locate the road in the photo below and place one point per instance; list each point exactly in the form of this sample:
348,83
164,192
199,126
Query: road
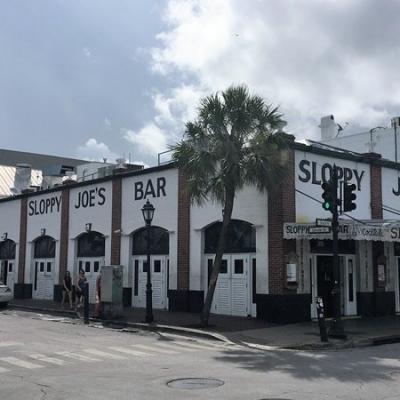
42,359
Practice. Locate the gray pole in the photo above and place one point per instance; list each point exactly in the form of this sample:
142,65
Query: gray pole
149,291
336,329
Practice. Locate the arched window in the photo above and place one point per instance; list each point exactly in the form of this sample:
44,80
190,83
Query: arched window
159,241
45,247
91,244
7,250
241,238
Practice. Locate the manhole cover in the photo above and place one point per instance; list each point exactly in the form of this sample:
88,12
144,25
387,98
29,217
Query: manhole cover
195,383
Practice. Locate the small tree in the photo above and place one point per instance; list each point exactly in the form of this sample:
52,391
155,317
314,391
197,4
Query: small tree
234,141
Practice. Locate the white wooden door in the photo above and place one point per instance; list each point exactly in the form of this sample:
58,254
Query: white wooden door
11,275
43,281
240,292
350,292
159,272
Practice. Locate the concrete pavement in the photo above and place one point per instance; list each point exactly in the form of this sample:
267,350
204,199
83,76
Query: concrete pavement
360,332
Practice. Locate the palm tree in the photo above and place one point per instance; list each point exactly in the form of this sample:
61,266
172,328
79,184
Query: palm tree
236,140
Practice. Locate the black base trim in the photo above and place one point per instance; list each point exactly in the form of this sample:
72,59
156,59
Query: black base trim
186,300
22,290
58,293
376,304
283,309
127,297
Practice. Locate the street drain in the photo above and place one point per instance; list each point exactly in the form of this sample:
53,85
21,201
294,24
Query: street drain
194,383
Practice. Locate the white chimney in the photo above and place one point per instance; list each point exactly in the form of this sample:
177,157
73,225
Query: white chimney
22,178
328,126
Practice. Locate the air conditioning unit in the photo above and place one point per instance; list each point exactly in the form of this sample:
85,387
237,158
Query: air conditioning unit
105,171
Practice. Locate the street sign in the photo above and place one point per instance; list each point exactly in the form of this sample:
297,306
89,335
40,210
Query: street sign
323,222
319,229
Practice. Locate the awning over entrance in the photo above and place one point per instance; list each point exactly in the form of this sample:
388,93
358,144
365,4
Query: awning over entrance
364,230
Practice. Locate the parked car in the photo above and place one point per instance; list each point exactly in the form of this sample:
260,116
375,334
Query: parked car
5,294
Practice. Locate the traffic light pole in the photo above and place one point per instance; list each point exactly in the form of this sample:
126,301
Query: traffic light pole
336,329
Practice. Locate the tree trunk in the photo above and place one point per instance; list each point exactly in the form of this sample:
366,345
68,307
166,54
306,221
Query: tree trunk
228,207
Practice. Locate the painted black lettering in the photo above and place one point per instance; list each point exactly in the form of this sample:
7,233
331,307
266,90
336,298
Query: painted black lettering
42,206
48,202
397,193
358,178
31,208
304,170
85,199
348,175
52,203
79,201
149,189
161,186
138,190
102,196
326,177
58,202
92,197
315,181
339,172
394,233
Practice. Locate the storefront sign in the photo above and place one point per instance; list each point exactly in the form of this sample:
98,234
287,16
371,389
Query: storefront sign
317,174
151,188
44,206
91,198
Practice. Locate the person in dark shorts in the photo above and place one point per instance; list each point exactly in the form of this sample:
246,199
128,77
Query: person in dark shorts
67,289
80,288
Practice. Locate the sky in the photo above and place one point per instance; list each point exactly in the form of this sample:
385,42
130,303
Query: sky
98,79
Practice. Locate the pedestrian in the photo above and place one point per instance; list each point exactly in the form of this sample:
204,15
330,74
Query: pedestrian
97,310
80,288
67,289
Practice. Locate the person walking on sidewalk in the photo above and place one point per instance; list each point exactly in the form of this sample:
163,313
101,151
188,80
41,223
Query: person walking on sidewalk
67,289
80,288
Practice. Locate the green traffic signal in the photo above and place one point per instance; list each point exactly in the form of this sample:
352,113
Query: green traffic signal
328,196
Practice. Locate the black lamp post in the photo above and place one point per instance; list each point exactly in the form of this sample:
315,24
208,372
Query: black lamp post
148,213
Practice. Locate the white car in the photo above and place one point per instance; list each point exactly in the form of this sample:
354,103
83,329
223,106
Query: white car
5,294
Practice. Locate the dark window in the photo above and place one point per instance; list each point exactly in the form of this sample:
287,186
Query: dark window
91,244
80,265
241,238
224,267
144,266
7,250
397,249
159,241
254,273
45,247
10,267
325,246
351,287
42,267
48,266
157,266
87,266
210,263
96,266
238,266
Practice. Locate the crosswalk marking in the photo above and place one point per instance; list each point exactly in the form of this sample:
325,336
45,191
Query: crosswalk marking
9,344
103,354
76,356
193,345
3,370
154,348
20,363
129,351
42,357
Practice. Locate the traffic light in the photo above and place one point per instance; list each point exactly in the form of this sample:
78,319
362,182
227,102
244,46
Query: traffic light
349,197
328,196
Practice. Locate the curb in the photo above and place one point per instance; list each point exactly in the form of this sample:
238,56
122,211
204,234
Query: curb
153,327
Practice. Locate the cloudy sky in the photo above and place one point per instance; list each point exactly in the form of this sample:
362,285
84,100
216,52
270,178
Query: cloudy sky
112,78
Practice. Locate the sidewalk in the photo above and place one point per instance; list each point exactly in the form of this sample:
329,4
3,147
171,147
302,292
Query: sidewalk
305,335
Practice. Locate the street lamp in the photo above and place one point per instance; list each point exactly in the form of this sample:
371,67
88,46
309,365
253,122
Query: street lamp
148,213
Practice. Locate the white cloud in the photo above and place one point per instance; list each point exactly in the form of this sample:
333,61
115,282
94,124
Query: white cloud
312,58
96,151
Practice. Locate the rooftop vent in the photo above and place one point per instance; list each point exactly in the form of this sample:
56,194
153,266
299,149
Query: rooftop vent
329,128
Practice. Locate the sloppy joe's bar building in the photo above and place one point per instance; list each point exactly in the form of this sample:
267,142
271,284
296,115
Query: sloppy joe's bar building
273,266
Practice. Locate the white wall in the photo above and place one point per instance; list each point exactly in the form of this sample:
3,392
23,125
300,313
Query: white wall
251,206
391,193
89,204
44,211
309,173
162,192
9,223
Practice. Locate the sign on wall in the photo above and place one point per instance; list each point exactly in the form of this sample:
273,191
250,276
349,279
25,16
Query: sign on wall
47,205
312,170
391,193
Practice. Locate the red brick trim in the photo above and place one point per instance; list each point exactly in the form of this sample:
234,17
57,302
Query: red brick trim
376,191
183,233
64,234
281,209
116,221
22,239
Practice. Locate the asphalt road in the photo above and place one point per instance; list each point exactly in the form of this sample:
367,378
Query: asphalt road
42,359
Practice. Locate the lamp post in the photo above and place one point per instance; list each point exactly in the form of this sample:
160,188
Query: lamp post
148,213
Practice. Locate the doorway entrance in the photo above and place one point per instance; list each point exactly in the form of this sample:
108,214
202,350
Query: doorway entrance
7,263
347,283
